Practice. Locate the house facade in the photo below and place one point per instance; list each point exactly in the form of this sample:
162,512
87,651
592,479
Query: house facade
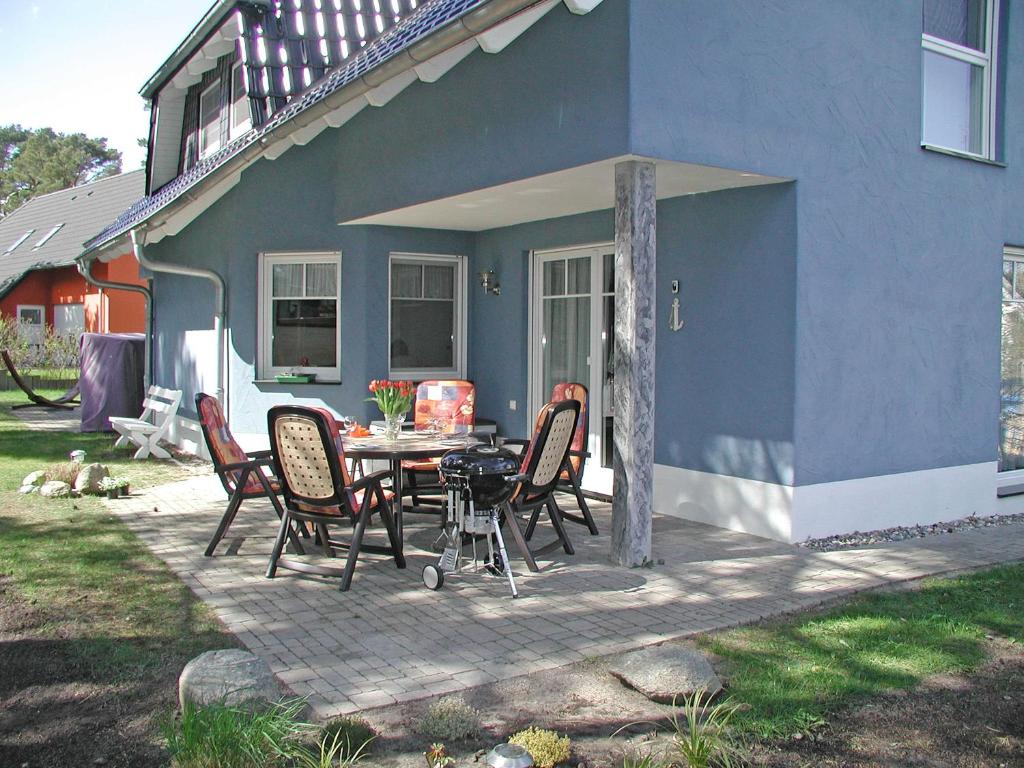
769,238
40,284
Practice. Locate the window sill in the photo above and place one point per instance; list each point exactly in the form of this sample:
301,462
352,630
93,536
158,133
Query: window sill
962,155
277,383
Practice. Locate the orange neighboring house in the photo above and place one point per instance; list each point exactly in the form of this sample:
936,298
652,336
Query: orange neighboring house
39,282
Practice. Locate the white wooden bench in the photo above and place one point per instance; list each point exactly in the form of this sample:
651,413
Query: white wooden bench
161,406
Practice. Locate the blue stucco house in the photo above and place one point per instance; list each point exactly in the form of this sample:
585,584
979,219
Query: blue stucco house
833,193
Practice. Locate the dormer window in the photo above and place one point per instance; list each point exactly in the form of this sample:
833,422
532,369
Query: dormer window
47,236
209,120
241,119
19,241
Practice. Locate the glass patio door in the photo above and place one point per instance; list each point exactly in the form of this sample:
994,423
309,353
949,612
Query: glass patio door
573,312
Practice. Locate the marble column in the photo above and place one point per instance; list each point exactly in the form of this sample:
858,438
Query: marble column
633,456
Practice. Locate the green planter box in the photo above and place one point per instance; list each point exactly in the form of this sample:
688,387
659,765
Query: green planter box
296,378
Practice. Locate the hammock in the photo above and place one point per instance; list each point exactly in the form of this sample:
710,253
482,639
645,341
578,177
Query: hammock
67,400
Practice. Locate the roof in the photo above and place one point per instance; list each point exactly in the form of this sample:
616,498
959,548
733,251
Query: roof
430,17
79,212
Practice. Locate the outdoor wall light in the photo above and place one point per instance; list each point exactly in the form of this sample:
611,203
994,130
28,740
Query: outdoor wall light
489,282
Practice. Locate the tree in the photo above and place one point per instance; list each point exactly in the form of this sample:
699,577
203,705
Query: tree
40,161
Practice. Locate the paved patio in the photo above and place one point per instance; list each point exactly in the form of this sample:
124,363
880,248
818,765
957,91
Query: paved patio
391,640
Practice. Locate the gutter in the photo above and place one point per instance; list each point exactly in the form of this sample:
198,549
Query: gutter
457,32
85,270
220,303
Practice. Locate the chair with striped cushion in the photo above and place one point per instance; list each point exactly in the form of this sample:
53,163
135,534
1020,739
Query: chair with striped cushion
448,407
243,475
309,458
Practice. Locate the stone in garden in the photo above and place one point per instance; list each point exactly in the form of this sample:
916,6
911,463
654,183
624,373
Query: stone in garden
34,478
89,476
54,489
667,672
28,489
230,676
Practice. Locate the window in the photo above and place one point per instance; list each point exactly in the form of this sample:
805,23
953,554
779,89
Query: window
428,324
241,121
958,70
1011,387
47,236
209,120
300,311
19,241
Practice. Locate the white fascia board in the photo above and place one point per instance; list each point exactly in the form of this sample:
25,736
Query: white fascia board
499,37
307,133
346,112
278,148
386,91
581,7
178,221
184,79
434,68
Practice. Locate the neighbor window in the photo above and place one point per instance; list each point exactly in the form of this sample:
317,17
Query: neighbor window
958,69
241,121
427,330
1011,401
209,120
300,313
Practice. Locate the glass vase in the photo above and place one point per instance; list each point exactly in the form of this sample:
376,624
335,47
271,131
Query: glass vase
393,425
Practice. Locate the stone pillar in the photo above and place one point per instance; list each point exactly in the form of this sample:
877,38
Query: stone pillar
633,456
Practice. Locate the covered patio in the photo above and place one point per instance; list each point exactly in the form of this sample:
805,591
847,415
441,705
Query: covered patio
390,640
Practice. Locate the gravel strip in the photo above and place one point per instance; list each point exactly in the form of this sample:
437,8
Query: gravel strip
861,538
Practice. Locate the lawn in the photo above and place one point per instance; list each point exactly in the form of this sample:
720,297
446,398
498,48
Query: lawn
794,673
85,611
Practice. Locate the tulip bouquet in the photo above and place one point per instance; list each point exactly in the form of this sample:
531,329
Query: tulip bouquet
394,398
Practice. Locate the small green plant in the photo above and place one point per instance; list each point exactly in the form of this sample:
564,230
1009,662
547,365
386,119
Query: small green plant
333,751
219,736
437,756
547,748
353,734
702,737
637,759
448,719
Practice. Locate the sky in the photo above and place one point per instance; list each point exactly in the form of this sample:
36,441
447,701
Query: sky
77,65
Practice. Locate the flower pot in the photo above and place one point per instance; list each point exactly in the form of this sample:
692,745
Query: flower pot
393,425
113,493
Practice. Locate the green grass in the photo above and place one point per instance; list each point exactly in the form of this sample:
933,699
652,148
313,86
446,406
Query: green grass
794,673
117,608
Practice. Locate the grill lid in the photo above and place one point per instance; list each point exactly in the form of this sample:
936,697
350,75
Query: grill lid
480,460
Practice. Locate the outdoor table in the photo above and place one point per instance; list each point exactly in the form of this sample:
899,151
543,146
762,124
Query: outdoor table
409,446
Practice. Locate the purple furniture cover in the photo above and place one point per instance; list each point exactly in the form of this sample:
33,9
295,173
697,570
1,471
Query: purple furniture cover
112,381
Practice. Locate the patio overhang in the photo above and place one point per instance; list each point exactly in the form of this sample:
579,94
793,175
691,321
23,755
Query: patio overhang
582,189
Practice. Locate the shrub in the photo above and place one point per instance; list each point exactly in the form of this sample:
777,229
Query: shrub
702,738
333,751
448,719
352,735
219,736
547,748
637,759
65,472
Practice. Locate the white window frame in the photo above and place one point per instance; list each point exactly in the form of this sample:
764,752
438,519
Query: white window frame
1010,476
41,326
208,149
265,370
987,60
237,129
459,322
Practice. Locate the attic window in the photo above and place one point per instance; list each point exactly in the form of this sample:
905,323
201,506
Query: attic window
19,241
209,120
241,121
47,236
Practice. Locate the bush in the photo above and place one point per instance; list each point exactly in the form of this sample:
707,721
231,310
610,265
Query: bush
219,736
448,719
66,472
702,737
352,735
547,748
58,351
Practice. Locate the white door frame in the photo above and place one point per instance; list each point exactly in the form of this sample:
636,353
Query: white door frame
596,477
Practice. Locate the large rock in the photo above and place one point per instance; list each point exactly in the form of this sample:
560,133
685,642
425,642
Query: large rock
89,476
667,672
54,489
36,478
230,676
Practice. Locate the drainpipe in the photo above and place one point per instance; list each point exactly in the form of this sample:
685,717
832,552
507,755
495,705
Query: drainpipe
220,303
85,270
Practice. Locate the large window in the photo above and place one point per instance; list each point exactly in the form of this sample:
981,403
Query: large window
300,311
1011,406
958,66
427,328
241,121
209,120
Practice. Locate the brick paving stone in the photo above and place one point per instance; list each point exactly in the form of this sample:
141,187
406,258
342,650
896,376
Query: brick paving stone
389,639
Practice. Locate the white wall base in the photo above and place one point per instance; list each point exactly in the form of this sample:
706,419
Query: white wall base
791,514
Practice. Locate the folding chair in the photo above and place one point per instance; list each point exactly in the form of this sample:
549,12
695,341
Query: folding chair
161,406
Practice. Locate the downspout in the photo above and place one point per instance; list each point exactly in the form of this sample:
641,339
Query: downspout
85,270
220,303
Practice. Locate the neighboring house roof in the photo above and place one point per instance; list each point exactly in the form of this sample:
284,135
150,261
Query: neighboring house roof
429,20
48,231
